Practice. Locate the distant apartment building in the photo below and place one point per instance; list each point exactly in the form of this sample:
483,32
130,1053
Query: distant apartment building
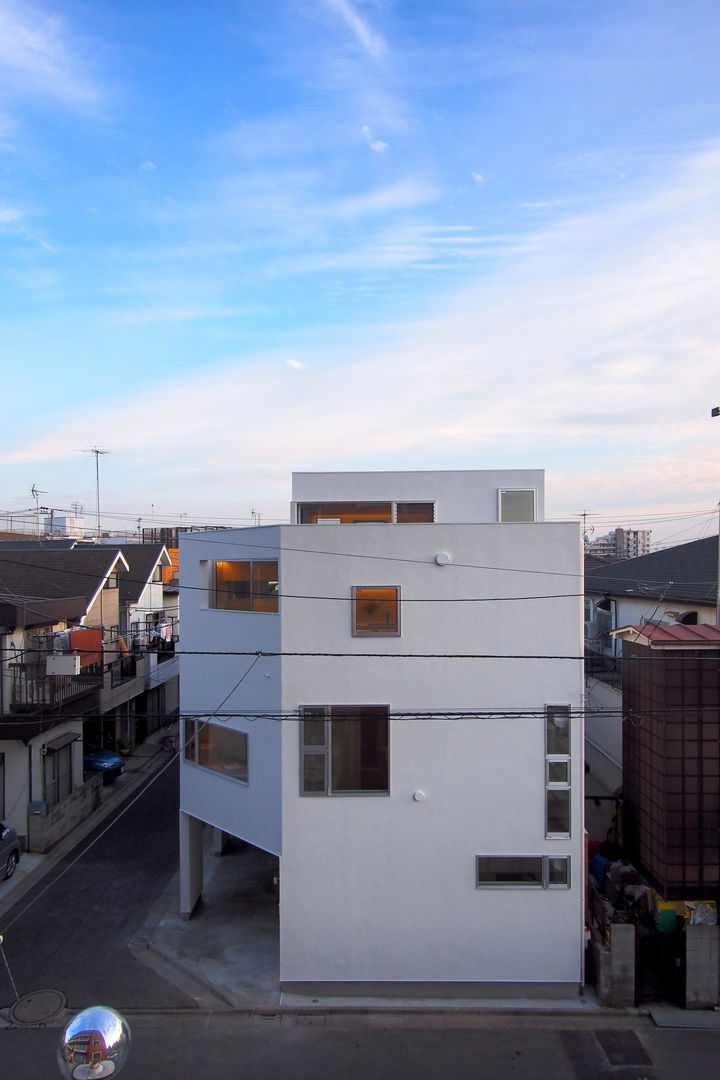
620,544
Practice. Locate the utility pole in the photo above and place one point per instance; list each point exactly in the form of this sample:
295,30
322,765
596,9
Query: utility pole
716,412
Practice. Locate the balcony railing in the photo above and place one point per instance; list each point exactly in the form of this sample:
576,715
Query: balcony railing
33,690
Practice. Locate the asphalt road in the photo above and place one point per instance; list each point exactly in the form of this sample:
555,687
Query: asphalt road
75,937
215,1047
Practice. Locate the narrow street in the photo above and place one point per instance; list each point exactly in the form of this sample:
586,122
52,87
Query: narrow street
74,939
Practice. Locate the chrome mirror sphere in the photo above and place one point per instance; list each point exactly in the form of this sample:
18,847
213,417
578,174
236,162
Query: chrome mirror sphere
94,1043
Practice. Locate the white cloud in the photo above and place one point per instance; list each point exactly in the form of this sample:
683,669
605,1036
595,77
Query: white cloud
147,166
592,352
372,43
375,144
478,178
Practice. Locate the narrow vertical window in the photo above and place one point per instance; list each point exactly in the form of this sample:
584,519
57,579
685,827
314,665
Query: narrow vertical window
557,771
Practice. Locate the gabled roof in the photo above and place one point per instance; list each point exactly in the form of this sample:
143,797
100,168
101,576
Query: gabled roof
70,580
672,635
64,543
142,560
688,572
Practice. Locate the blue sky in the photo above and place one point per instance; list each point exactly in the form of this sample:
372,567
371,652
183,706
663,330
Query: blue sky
242,239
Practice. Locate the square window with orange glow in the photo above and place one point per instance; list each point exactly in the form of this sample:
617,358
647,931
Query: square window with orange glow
376,610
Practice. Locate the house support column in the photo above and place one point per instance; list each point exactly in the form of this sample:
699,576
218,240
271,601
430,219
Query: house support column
191,863
219,841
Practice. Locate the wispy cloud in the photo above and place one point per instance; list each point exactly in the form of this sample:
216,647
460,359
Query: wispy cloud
568,357
40,56
375,144
371,42
11,218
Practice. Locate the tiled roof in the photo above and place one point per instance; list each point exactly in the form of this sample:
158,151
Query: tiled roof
142,559
687,572
673,635
27,576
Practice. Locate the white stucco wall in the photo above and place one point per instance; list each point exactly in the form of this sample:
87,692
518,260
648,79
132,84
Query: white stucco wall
211,681
382,888
459,495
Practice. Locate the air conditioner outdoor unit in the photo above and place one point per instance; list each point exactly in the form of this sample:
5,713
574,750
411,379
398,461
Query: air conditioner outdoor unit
62,664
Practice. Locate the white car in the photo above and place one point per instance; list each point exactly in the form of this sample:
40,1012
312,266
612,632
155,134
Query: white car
9,850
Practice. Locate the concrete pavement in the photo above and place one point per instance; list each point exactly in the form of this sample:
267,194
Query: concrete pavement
226,957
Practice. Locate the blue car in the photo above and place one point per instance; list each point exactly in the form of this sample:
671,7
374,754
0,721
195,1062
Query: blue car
110,764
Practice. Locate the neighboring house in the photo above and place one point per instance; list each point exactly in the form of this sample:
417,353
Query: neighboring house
68,680
387,694
671,756
148,627
53,606
674,586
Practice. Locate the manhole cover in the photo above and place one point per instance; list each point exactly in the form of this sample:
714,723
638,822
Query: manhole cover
37,1007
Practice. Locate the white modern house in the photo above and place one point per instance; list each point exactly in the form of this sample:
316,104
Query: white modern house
387,694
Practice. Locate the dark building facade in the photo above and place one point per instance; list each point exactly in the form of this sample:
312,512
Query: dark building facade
671,757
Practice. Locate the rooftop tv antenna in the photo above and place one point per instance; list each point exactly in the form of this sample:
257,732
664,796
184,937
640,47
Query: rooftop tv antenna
97,451
36,493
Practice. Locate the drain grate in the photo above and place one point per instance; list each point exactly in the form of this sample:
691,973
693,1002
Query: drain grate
622,1047
37,1007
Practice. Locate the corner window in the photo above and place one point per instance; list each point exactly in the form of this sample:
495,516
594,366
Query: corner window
525,871
221,749
344,750
248,585
414,512
376,610
516,504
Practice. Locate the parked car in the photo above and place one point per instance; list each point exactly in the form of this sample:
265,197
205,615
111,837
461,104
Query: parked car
107,762
9,850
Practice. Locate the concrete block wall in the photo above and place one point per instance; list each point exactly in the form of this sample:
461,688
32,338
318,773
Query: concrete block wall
702,966
46,830
615,966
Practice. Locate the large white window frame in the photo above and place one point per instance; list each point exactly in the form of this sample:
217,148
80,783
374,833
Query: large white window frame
334,748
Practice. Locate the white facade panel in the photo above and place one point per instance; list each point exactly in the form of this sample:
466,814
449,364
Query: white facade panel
461,495
351,864
222,679
381,888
